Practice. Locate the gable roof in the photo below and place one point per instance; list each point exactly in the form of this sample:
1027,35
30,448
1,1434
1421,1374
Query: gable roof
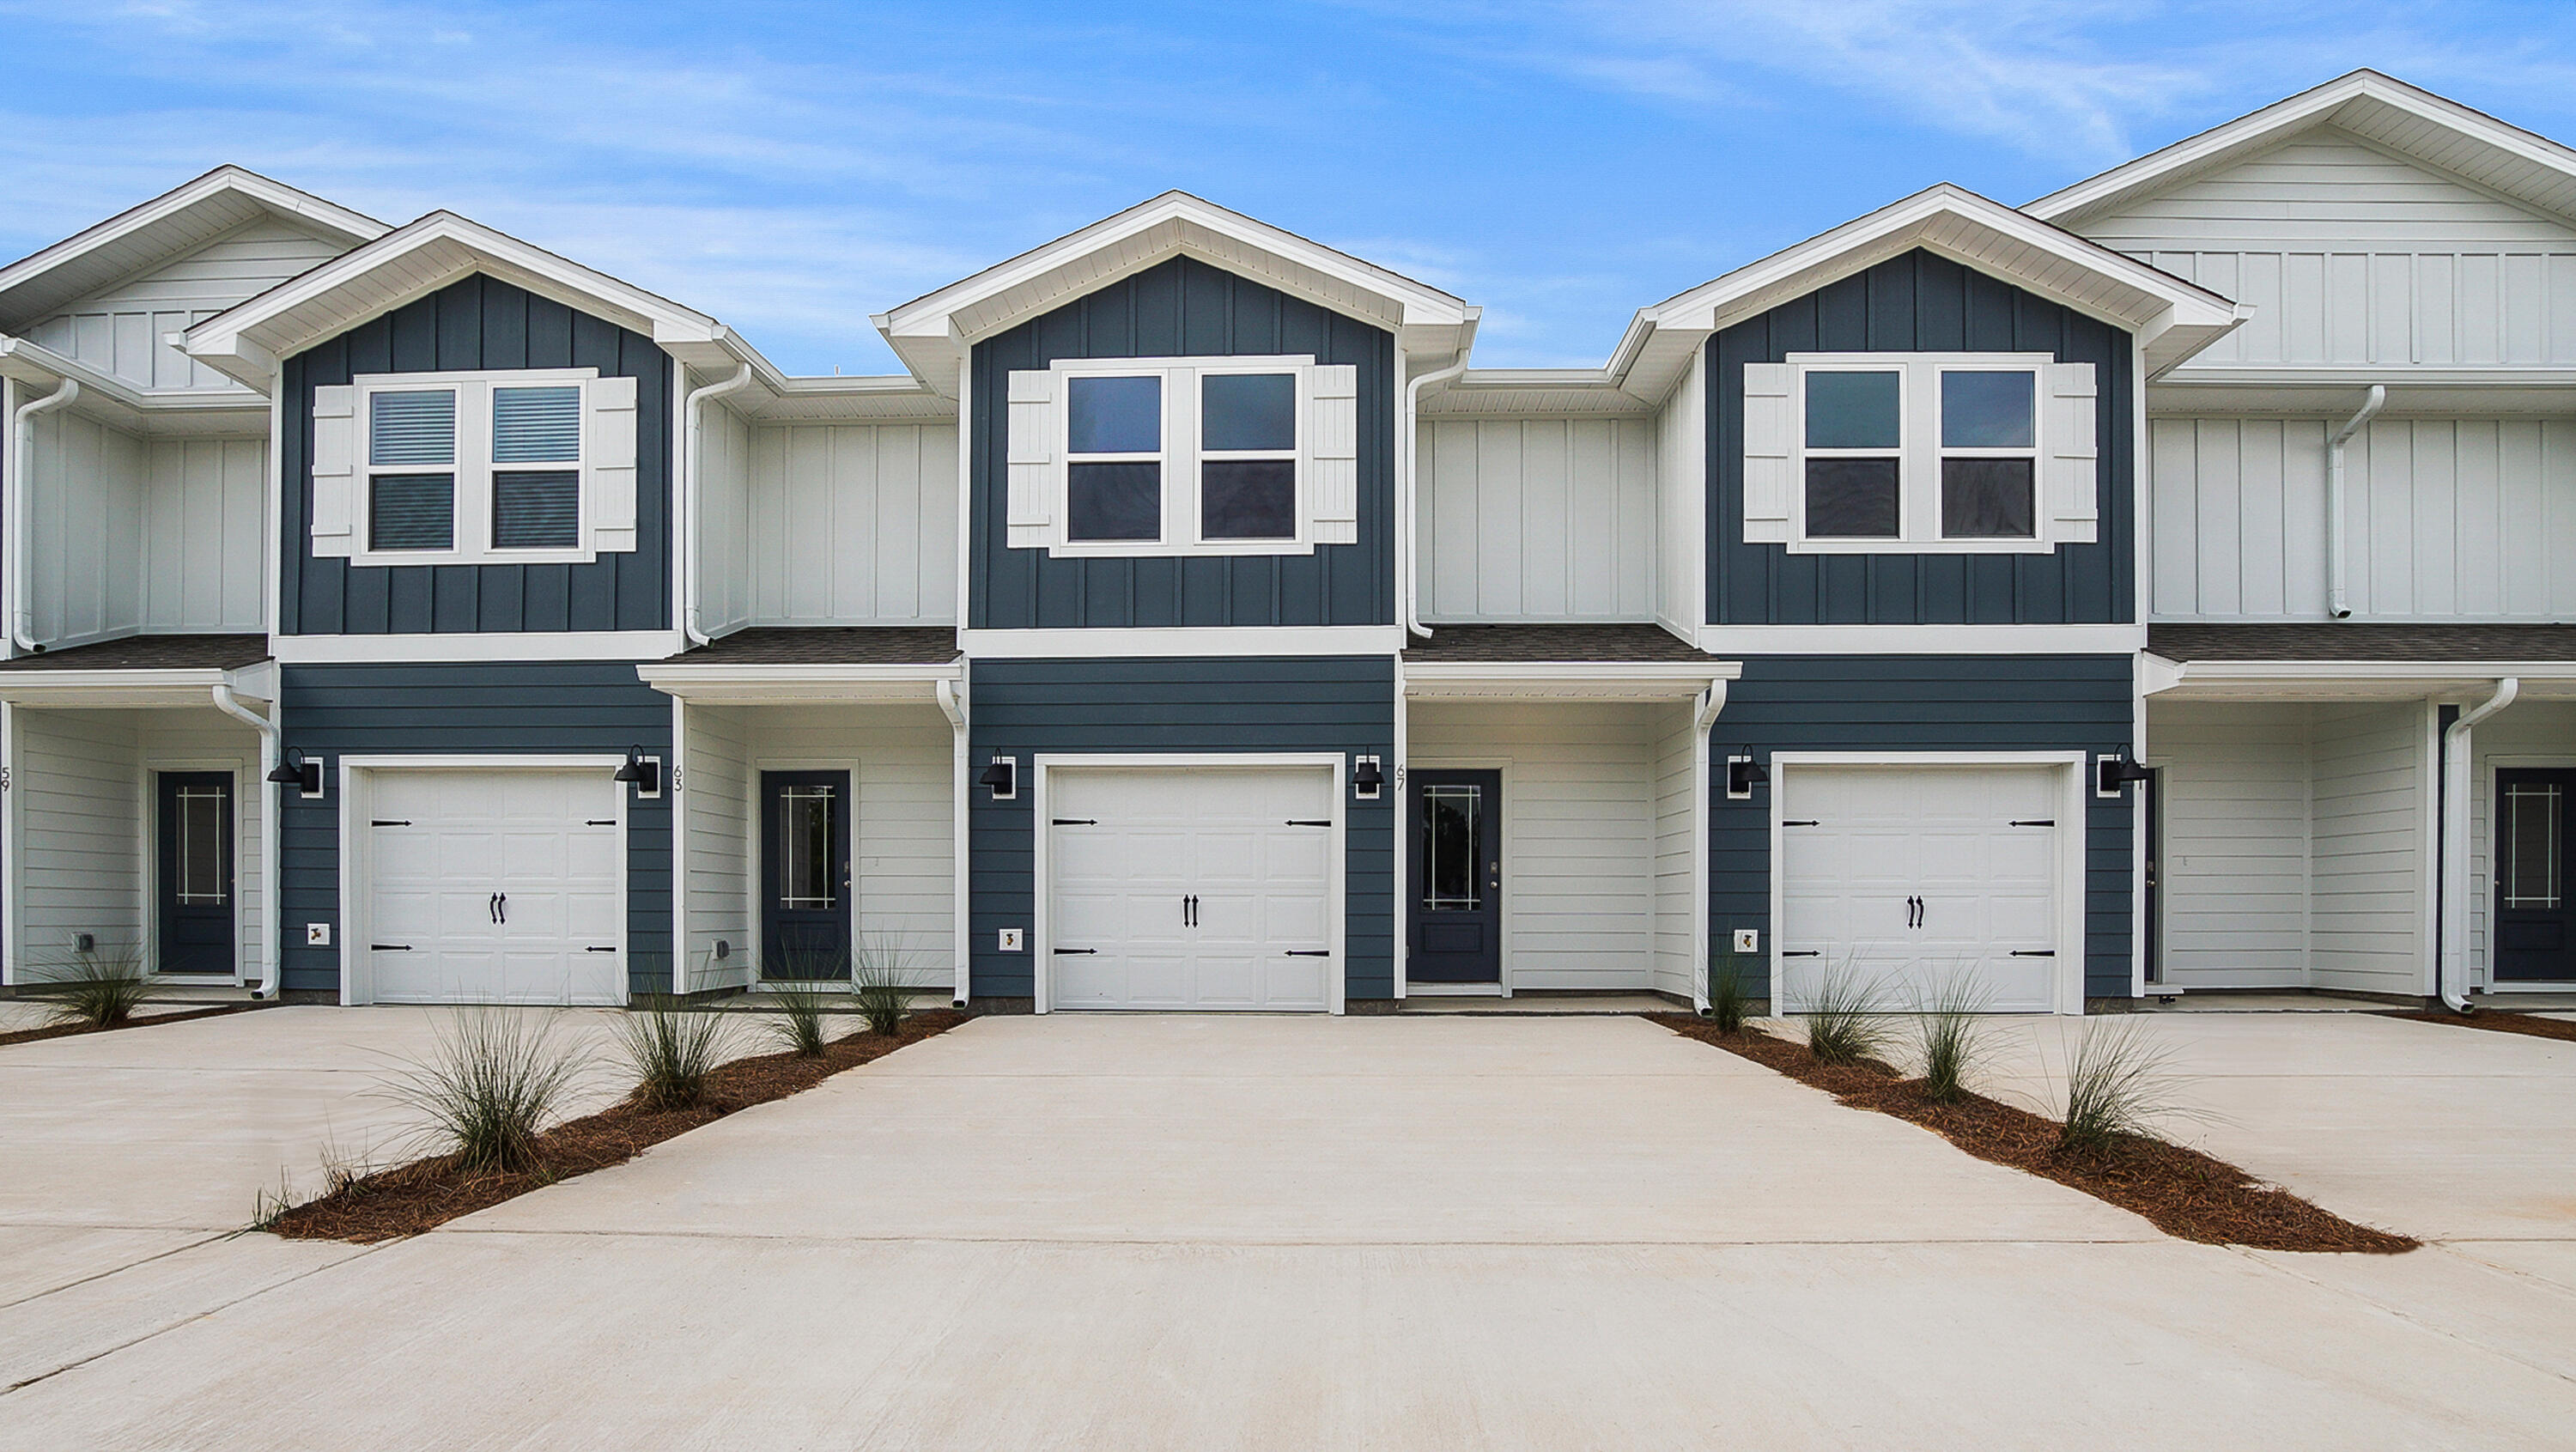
167,227
2518,164
2171,317
932,333
246,341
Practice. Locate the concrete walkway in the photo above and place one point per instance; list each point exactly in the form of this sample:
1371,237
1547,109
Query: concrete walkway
1270,1232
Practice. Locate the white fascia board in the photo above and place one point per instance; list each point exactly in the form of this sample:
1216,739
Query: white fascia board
2282,119
925,332
1108,643
126,688
246,340
119,402
752,684
1565,680
1742,640
464,646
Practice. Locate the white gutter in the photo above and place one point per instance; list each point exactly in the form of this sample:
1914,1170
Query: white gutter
952,703
1408,459
1710,703
22,614
2451,971
693,451
272,939
2336,604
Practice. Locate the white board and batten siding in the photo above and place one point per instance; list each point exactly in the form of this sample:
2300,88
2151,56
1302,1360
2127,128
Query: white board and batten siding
2296,844
120,331
204,530
840,524
2445,519
1681,504
1589,844
902,829
2351,255
1539,519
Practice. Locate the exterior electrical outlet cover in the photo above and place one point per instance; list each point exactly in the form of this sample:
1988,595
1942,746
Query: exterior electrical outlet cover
317,935
1748,940
1011,940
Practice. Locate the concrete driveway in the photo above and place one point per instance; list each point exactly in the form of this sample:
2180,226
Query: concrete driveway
1270,1232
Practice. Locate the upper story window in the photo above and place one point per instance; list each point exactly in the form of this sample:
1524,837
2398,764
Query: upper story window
1919,453
1139,456
527,467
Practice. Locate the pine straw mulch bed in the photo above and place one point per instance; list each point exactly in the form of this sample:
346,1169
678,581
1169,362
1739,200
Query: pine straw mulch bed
2182,1192
2495,1021
424,1194
73,1030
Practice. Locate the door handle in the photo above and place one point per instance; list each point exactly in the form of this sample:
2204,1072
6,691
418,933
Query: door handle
1081,951
492,907
501,907
1310,953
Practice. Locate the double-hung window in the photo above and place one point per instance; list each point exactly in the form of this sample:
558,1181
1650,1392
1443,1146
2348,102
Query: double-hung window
1919,453
530,467
1174,456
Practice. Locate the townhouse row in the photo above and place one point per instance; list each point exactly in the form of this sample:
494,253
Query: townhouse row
2161,587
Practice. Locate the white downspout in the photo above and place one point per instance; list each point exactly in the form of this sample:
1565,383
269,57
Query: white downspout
1408,461
2451,978
952,703
272,937
693,449
22,612
2337,605
1711,701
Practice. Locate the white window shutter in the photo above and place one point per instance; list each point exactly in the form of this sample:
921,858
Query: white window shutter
1032,483
335,470
611,465
1770,436
1333,452
2072,470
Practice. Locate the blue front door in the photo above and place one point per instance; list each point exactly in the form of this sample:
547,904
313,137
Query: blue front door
805,875
1457,871
194,864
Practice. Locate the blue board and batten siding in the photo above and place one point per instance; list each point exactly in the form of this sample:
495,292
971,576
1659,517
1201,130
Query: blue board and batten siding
512,709
481,323
1340,704
1900,703
1184,308
1920,302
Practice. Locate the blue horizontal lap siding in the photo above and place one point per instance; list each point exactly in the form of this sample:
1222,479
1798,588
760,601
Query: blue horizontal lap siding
481,323
1183,308
1325,703
1921,303
501,709
1901,703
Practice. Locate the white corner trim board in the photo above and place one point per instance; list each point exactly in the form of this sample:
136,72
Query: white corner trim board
468,647
1736,640
1105,643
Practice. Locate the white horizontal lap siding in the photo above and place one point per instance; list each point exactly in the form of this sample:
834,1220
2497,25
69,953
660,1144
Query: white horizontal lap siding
2350,255
119,331
717,797
2471,519
1676,967
87,529
2532,733
1539,519
206,740
2235,867
2369,904
203,525
1581,832
80,837
854,524
904,867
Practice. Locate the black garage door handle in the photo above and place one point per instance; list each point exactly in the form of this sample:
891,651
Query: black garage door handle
1310,952
389,947
2034,952
1802,952
1077,950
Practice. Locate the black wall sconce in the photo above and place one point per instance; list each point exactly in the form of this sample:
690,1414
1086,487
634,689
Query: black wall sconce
1368,779
2112,774
1743,774
644,773
297,771
1003,776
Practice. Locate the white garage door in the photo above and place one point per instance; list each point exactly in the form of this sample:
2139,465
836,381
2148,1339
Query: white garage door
493,886
1190,889
1908,877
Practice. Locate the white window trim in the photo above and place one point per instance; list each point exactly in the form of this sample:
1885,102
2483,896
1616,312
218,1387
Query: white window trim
473,469
1180,457
1920,452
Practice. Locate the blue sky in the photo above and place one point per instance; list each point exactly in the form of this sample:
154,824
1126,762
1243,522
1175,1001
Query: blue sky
794,168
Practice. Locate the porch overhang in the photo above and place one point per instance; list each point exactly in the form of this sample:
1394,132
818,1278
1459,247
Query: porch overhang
775,685
145,671
2355,661
2340,680
1565,680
